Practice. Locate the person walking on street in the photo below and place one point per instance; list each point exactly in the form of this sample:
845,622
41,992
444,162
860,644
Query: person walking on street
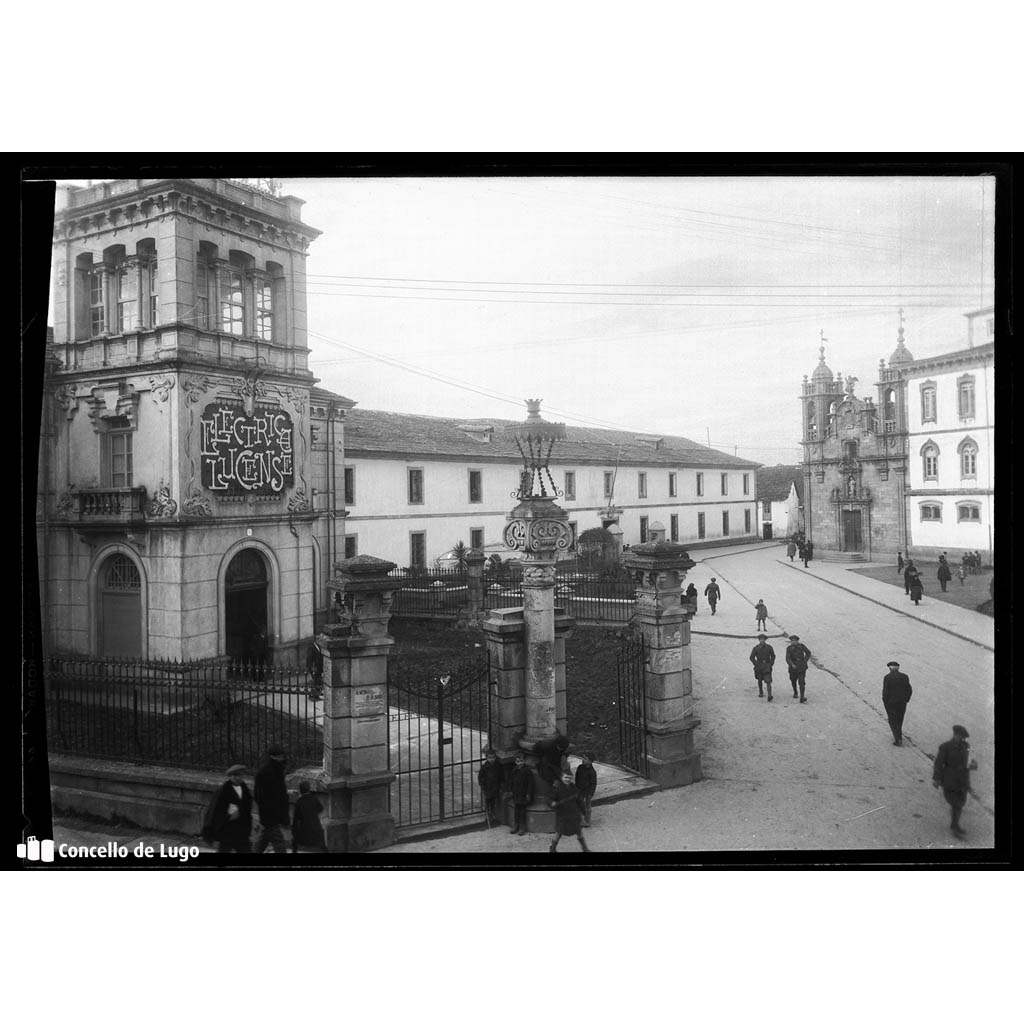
229,821
271,793
952,771
521,783
712,592
896,693
307,832
791,549
944,573
691,597
762,657
808,552
586,786
908,572
916,587
899,562
565,801
489,778
797,659
961,573
761,611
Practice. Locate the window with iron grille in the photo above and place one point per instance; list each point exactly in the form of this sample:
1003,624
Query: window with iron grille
415,486
418,550
122,574
643,529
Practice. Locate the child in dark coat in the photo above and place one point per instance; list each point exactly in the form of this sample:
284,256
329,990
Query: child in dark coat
307,832
489,778
761,611
586,786
521,784
565,801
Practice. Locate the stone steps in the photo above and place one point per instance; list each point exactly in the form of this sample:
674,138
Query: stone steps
843,556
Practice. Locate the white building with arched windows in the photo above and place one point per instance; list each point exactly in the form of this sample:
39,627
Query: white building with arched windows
951,416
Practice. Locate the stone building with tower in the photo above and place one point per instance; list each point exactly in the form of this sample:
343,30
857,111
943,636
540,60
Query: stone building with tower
855,461
187,461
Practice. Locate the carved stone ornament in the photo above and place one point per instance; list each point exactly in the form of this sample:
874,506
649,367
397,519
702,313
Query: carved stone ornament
538,535
298,502
161,387
64,506
196,503
538,575
65,396
161,504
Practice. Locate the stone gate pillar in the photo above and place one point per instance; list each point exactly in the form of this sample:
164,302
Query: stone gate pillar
659,568
356,647
472,613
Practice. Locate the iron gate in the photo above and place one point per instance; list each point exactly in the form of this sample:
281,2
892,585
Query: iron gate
631,663
438,728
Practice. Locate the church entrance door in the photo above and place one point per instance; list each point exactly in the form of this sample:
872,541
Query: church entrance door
120,609
852,536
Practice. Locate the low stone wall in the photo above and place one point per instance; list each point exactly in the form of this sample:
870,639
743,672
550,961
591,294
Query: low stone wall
150,796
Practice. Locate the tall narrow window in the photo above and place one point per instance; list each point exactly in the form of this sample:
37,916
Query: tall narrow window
725,524
127,298
725,483
643,529
476,539
476,486
930,459
968,458
350,485
264,309
641,485
232,302
415,486
570,485
97,320
154,296
965,397
116,461
746,483
673,527
700,484
928,407
746,520
351,545
418,550
202,310
671,485
700,526
608,478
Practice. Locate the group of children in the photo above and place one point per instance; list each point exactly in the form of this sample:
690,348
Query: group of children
570,796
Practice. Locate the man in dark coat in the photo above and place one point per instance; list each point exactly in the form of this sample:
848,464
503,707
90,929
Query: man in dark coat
521,784
797,658
808,552
952,771
791,549
271,794
896,692
586,786
908,572
307,832
762,657
712,592
553,754
916,587
899,562
945,574
230,822
565,801
315,667
489,778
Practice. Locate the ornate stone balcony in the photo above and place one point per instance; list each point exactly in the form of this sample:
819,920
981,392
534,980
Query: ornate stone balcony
108,506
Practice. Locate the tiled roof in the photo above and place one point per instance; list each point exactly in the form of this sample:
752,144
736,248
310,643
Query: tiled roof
323,395
773,482
368,431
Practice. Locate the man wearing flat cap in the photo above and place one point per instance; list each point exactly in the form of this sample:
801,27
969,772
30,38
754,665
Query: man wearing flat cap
896,691
797,657
229,822
272,797
952,771
762,657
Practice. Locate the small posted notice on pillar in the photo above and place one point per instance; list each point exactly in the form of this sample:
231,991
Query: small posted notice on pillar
367,700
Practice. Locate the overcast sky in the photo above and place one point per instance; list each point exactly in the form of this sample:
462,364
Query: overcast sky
688,306
671,305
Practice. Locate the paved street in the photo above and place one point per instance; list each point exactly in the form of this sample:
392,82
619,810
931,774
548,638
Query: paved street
822,775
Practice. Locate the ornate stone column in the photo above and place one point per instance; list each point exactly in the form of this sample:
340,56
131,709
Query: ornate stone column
660,568
356,778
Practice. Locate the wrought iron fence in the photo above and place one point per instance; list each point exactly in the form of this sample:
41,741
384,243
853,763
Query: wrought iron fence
596,598
184,713
430,593
438,728
632,686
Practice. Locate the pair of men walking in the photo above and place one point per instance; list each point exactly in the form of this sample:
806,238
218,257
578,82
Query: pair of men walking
762,657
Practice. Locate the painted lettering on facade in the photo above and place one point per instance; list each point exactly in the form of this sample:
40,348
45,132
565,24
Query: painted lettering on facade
242,453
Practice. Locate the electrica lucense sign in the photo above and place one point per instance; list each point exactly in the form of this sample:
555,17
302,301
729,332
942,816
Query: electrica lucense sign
243,453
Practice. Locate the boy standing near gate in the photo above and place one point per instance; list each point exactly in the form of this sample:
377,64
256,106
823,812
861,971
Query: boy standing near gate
521,784
489,778
586,785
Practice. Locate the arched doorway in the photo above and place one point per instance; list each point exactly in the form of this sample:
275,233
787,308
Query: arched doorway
120,594
245,607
